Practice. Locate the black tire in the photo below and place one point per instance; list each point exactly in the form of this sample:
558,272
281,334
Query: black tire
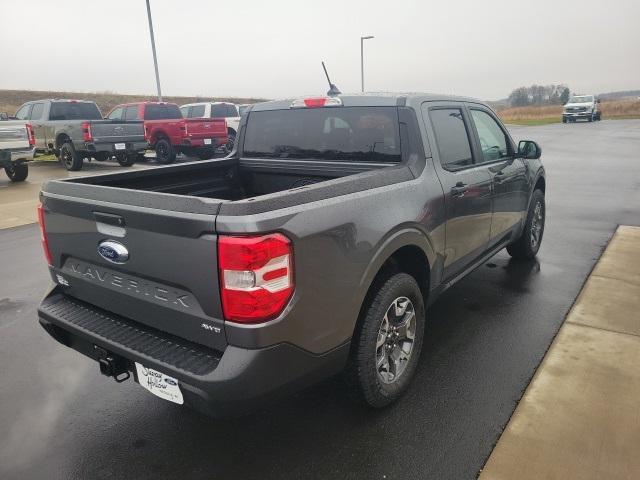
126,160
17,172
363,374
231,141
564,120
590,118
70,158
525,248
165,153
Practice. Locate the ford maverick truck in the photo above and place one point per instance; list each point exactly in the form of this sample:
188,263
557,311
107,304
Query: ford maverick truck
314,248
75,130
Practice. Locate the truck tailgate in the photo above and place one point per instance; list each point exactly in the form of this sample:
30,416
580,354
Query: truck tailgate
108,131
170,279
198,128
13,135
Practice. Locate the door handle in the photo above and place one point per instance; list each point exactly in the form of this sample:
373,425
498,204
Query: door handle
459,189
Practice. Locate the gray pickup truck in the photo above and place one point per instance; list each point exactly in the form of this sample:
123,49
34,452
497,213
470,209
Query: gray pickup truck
75,130
313,249
17,147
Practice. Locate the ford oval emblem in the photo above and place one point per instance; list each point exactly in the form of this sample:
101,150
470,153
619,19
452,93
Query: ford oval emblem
171,381
113,251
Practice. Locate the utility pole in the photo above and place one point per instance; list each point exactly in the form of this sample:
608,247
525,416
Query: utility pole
153,49
362,39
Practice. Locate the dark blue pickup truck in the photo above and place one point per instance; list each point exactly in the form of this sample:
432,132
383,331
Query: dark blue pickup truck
314,248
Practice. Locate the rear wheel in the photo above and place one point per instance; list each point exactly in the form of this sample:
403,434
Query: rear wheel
386,346
526,247
165,152
70,158
231,141
17,173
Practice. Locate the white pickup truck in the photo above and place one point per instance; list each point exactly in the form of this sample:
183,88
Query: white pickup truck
228,111
581,106
17,147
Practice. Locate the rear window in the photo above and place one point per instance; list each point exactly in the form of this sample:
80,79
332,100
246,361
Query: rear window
365,134
218,111
74,111
161,112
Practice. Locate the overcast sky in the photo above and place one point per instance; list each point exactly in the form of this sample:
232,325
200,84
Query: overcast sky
272,49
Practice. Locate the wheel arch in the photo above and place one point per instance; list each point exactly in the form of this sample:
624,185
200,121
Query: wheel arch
61,138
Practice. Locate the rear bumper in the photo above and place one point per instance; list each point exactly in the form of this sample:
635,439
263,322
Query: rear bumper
232,382
110,147
10,156
200,142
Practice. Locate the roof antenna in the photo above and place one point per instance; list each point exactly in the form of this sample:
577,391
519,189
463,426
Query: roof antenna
333,90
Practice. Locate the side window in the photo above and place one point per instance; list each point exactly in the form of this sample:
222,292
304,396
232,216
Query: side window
493,140
36,111
131,112
197,111
116,114
451,138
23,112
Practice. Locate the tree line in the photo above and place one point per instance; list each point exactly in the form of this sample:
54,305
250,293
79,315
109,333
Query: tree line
539,95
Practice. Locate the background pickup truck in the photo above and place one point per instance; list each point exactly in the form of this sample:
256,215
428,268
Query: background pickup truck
17,147
314,248
75,129
168,133
228,111
586,107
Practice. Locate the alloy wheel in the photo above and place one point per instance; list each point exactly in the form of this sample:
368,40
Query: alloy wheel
537,222
395,341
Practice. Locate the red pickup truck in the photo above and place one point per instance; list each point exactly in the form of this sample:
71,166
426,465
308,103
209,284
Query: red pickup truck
168,133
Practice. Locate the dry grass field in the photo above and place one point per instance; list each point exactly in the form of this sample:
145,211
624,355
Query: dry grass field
553,113
10,100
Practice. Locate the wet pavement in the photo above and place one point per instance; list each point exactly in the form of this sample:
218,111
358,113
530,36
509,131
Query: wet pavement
59,418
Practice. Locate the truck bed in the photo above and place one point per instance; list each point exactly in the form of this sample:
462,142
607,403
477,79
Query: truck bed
239,186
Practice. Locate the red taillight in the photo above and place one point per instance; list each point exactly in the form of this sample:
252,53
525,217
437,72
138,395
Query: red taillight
43,235
31,135
256,276
86,132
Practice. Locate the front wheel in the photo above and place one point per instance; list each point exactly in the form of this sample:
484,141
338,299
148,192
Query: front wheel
386,346
17,173
527,245
231,141
126,160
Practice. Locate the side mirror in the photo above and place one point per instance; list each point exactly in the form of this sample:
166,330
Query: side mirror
4,116
529,150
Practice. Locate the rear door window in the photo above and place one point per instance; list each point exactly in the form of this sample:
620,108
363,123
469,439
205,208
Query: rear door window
452,138
363,134
74,111
493,140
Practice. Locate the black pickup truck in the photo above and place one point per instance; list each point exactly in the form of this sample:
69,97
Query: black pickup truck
313,249
75,130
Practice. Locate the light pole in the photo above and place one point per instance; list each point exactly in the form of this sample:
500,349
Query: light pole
362,39
153,49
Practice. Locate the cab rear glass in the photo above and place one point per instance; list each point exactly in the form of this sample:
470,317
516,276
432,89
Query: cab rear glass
74,111
364,134
162,112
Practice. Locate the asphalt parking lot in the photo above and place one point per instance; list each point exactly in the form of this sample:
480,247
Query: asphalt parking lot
59,418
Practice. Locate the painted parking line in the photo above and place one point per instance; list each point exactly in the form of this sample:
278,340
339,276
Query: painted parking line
580,415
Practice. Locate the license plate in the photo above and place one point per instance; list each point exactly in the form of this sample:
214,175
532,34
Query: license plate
159,384
207,141
120,146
